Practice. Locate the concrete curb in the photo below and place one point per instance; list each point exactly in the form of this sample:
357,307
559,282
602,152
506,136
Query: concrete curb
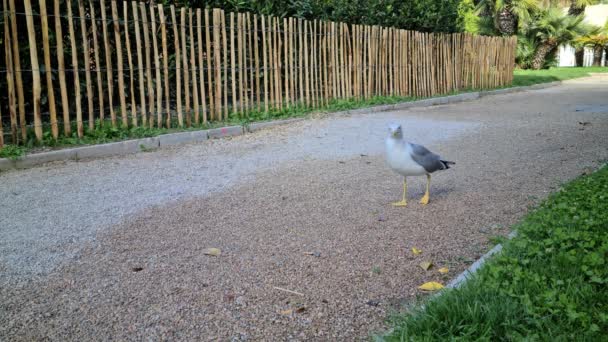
469,272
138,145
458,281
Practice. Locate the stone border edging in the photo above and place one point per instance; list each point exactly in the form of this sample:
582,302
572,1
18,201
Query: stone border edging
172,139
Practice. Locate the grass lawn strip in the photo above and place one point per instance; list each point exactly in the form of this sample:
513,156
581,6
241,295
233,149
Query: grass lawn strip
550,282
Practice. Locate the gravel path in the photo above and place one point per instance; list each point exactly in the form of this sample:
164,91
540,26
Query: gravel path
113,248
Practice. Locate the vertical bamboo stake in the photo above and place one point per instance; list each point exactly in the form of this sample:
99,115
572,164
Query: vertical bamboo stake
292,69
257,62
75,67
47,70
100,90
1,130
390,60
300,60
364,56
130,59
318,89
163,30
140,68
271,70
244,62
225,64
216,54
65,105
35,68
87,64
149,116
159,95
178,69
313,57
265,58
395,64
277,64
271,61
286,52
233,63
250,59
121,80
200,63
185,66
343,66
355,66
108,58
193,70
17,69
239,33
324,56
306,66
209,66
10,77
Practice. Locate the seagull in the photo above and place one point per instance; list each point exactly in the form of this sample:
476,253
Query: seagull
409,159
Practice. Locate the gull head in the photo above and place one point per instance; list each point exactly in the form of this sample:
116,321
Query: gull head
395,131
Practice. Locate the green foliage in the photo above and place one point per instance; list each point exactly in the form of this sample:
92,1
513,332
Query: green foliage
467,19
548,27
549,283
529,77
421,15
12,152
552,25
106,133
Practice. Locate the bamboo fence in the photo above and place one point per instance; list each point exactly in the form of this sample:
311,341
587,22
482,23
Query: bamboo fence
140,65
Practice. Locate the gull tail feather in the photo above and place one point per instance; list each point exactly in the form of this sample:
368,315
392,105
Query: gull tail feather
446,164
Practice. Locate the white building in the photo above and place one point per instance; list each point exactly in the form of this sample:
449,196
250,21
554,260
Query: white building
594,15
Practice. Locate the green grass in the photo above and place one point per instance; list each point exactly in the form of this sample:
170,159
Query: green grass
12,152
530,77
106,133
550,283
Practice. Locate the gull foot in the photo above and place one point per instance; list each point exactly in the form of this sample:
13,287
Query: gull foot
400,204
425,200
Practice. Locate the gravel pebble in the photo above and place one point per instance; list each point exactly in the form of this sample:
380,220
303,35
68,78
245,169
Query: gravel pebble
75,233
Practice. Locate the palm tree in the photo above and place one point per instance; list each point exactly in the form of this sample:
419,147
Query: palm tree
577,7
507,13
597,37
551,29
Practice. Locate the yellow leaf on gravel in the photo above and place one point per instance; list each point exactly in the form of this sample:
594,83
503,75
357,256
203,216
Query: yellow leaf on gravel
426,265
416,251
286,312
443,270
430,286
213,251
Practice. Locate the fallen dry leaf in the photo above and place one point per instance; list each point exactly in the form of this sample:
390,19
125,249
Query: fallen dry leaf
213,251
416,251
443,270
431,286
426,265
286,312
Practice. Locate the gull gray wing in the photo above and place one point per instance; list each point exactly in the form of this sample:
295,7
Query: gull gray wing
427,159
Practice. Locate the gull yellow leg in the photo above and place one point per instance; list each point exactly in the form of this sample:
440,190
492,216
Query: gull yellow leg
425,199
403,202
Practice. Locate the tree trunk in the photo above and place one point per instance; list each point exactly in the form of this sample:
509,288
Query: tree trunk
597,55
506,22
579,56
541,54
574,9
